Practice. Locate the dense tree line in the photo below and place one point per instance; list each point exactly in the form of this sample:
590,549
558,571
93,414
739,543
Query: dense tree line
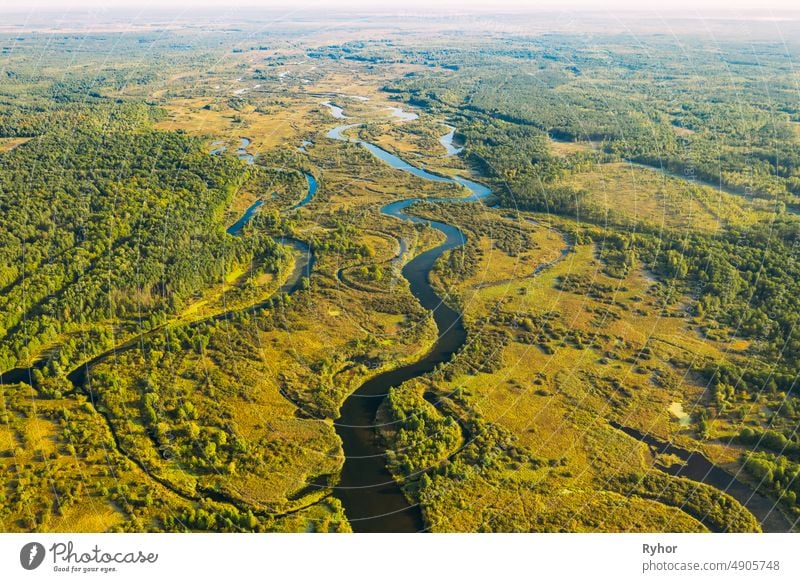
718,511
641,104
109,219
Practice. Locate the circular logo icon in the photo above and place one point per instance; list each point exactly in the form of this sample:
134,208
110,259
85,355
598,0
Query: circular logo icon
31,555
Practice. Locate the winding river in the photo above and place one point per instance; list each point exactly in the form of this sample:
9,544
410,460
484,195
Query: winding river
219,147
697,467
373,500
304,262
311,182
447,141
78,377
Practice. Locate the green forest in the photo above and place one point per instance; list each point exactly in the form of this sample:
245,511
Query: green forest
203,267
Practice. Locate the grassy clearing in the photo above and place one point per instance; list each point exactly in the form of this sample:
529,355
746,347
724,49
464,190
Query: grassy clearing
580,347
566,148
638,195
9,143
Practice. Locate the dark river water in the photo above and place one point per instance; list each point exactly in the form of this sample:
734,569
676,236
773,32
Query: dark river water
373,500
310,191
697,467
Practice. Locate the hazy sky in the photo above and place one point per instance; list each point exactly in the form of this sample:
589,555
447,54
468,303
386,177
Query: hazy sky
658,5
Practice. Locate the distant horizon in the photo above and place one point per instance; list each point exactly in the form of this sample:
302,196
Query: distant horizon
144,6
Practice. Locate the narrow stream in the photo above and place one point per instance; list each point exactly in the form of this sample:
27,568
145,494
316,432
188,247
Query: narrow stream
219,147
697,467
79,376
304,262
310,191
242,152
373,500
336,111
447,141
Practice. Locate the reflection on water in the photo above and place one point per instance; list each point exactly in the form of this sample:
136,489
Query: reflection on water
312,189
336,132
402,115
242,152
336,111
373,500
447,141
